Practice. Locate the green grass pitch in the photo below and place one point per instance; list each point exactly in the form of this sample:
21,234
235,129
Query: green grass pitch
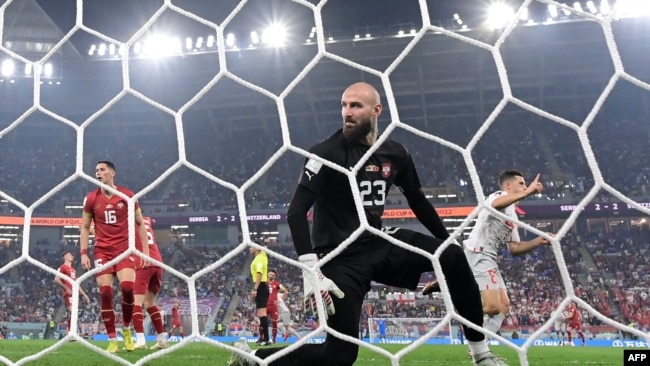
200,354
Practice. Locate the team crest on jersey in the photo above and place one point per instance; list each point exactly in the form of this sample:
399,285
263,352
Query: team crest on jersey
120,205
385,170
372,168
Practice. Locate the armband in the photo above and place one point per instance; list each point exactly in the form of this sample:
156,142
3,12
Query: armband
84,251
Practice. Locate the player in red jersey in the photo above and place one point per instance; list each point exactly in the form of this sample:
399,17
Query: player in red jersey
575,323
148,281
110,215
67,269
275,287
176,319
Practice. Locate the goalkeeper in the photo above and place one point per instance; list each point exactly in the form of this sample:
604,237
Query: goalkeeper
345,280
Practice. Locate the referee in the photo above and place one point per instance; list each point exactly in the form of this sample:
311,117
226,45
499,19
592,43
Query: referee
259,274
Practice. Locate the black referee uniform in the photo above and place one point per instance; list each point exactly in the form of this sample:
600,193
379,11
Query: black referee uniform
369,257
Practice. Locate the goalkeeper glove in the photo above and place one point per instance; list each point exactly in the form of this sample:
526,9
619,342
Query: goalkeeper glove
324,284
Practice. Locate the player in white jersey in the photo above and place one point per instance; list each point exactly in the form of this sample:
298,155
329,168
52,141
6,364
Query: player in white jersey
559,326
286,321
490,232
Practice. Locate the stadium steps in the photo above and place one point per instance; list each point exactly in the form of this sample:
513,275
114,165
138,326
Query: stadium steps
589,261
174,258
586,256
234,301
556,171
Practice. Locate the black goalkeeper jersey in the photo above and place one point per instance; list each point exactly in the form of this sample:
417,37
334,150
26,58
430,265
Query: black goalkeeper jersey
334,214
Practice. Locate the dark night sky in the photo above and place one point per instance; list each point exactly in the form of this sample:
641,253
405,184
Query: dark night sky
337,14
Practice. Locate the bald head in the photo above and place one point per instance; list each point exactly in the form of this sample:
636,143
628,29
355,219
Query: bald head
364,90
360,108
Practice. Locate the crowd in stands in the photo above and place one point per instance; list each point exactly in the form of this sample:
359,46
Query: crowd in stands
236,156
607,271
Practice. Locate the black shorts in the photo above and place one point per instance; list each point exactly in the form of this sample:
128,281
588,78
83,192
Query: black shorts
382,261
262,296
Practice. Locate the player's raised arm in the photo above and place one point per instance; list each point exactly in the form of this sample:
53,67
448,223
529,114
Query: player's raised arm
515,196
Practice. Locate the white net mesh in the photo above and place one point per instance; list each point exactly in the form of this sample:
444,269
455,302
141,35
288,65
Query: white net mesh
322,53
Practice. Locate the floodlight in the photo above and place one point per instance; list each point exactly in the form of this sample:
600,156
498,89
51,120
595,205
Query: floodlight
255,38
28,69
577,6
8,67
210,41
199,42
604,7
158,45
102,49
47,69
188,43
631,8
275,35
592,7
92,49
552,10
499,15
230,39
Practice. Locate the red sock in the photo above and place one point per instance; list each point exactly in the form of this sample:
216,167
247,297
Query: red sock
582,337
69,321
108,315
274,329
182,335
127,302
156,318
569,336
138,319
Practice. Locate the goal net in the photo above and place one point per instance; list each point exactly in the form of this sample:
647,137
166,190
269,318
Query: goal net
225,124
408,330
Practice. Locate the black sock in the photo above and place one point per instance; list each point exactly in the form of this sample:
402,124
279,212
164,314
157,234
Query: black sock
264,331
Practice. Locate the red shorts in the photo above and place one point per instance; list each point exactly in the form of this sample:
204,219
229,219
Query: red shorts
148,279
272,311
575,326
176,323
104,257
67,300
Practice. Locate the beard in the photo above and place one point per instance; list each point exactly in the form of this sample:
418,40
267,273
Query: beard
358,130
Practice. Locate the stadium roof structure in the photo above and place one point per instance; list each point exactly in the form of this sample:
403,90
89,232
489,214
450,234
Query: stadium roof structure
561,68
30,32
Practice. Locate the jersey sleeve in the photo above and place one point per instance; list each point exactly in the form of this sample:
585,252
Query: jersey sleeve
88,203
407,177
491,198
515,234
314,172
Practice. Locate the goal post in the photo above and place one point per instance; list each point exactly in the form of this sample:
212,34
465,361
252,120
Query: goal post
407,330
